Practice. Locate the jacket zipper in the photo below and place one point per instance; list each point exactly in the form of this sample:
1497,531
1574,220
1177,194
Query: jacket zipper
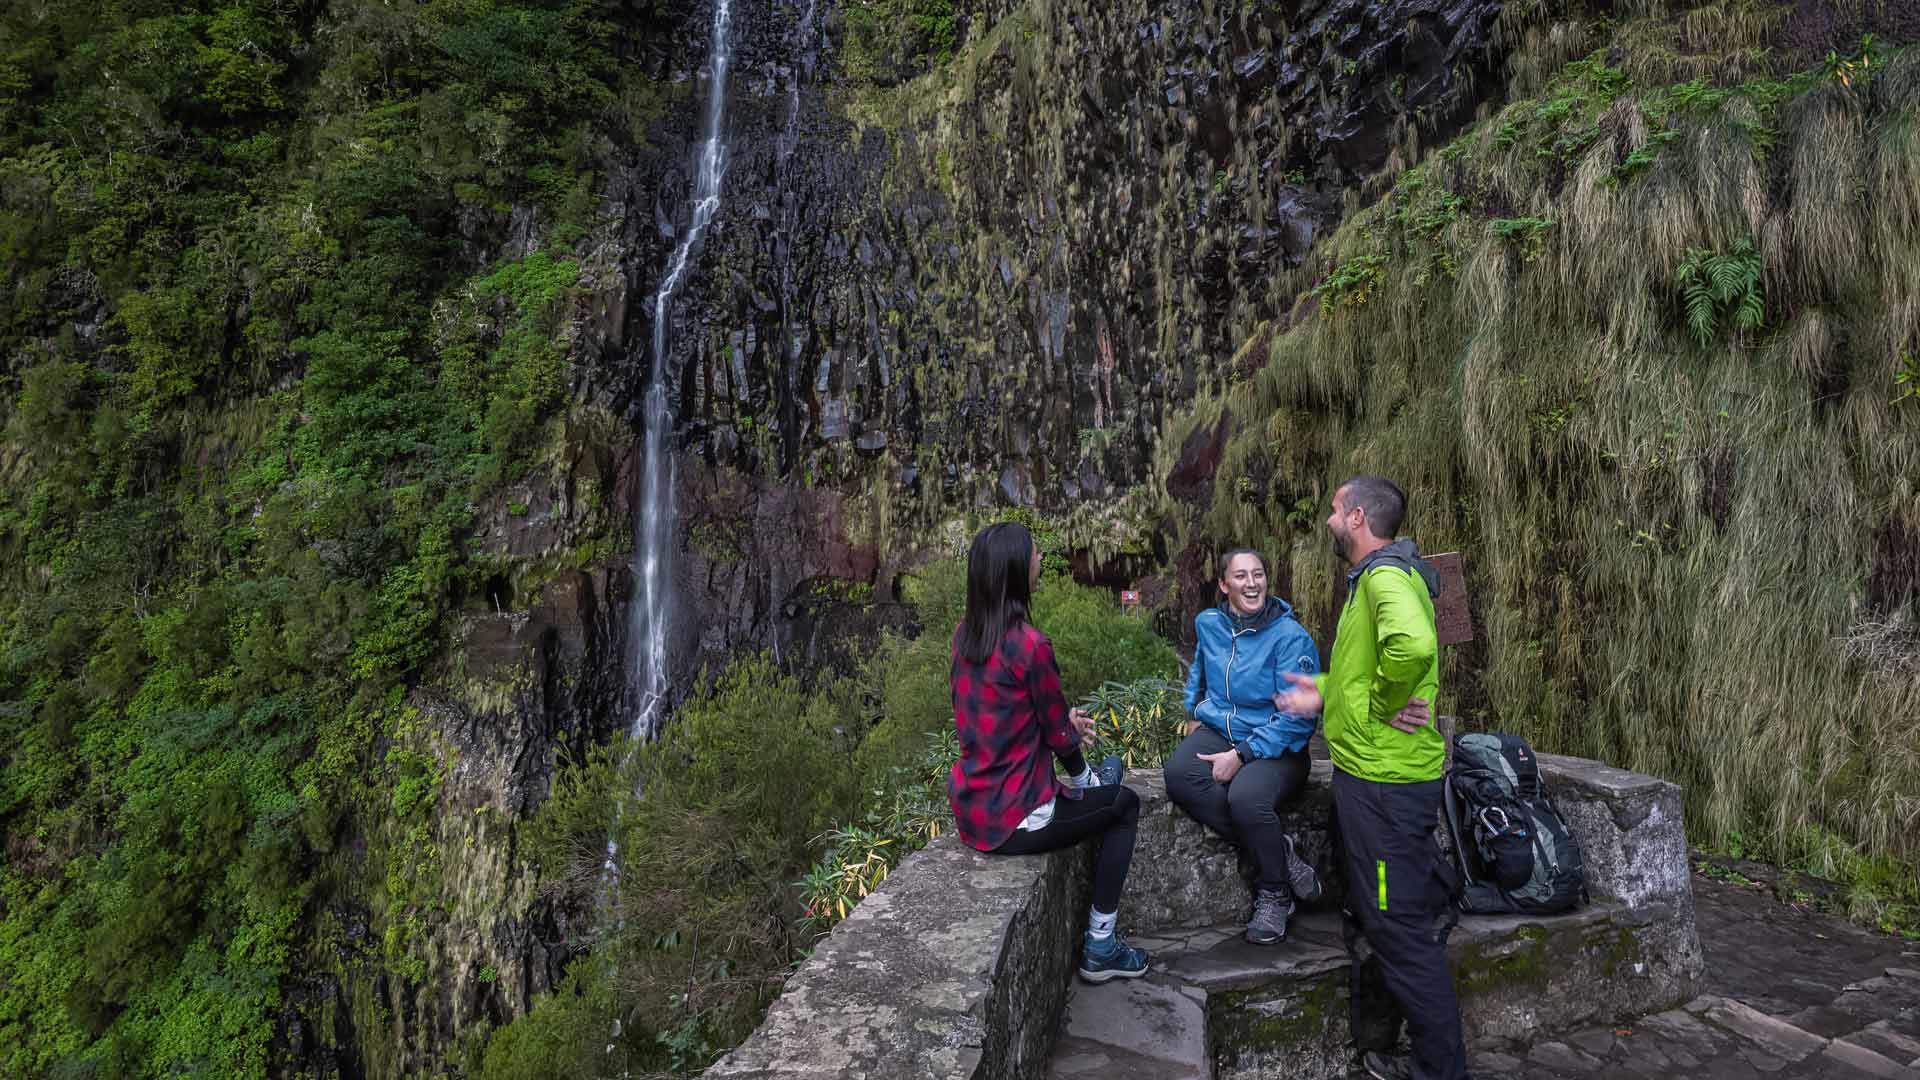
1233,649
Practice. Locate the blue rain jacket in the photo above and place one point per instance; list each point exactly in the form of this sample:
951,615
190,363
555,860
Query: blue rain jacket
1235,674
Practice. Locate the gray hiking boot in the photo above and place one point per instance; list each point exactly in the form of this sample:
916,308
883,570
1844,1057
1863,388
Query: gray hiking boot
1271,909
1306,883
1386,1066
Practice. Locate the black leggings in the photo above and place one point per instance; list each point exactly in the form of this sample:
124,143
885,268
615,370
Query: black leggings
1244,810
1110,813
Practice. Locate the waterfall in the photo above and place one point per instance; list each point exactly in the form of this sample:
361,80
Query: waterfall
653,513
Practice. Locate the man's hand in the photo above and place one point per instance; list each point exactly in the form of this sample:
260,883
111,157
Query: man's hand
1225,764
1302,700
1082,721
1416,715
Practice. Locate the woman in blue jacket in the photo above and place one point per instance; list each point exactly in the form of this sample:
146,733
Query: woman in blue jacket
1245,756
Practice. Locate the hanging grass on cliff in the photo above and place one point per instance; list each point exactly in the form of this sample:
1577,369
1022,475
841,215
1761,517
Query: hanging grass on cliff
1635,345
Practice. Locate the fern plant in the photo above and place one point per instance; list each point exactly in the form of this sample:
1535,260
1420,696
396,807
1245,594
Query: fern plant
1720,289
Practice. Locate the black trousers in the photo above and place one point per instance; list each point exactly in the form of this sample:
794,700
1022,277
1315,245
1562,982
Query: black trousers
1397,921
1110,813
1245,810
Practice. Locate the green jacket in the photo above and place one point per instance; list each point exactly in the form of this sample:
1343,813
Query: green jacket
1384,652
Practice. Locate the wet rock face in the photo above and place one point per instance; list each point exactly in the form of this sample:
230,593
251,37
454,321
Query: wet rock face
935,290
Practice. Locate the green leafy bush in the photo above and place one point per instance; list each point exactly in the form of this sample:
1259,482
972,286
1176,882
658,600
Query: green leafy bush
711,822
1140,721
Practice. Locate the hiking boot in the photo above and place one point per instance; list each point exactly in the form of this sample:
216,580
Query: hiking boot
1271,909
1111,772
1110,957
1306,883
1387,1066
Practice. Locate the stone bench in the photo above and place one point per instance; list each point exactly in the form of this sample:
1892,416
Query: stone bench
1281,1013
960,964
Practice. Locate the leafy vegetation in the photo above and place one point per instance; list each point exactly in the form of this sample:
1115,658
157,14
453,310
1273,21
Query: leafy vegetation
892,41
264,355
1139,721
1721,290
752,835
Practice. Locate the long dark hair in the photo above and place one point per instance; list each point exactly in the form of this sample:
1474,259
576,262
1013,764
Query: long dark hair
999,590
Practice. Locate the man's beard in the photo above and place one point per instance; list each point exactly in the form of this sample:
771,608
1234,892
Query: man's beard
1339,542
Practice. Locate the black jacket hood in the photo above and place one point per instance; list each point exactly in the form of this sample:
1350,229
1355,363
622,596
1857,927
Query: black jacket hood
1401,553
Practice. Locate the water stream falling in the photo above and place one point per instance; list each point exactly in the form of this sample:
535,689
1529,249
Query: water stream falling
653,513
648,615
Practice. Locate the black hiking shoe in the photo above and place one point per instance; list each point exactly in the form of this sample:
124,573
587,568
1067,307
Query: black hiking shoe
1271,909
1111,772
1306,883
1386,1066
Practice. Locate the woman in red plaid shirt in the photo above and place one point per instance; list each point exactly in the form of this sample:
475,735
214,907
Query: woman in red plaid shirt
1013,721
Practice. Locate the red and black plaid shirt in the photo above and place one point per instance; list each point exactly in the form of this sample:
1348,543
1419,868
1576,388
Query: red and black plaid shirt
1009,712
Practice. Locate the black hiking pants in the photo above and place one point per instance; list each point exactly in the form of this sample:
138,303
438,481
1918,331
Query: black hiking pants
1397,921
1244,810
1110,813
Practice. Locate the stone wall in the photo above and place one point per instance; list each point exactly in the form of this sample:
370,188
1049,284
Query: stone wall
958,965
1629,826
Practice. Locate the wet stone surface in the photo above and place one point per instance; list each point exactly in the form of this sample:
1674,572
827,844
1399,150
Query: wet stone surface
1790,993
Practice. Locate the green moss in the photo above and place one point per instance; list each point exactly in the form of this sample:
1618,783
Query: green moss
1504,962
1252,1023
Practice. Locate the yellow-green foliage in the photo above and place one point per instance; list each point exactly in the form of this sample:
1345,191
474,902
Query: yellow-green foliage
1140,722
1670,538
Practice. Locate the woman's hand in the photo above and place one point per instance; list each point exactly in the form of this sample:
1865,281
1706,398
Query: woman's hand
1225,764
1304,697
1082,721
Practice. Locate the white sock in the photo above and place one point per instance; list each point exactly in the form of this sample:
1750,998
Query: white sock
1100,923
1086,779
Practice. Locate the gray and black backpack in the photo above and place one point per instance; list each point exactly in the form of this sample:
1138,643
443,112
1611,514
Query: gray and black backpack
1512,848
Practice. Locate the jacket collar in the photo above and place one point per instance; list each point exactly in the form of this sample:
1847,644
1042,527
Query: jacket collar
1275,610
1401,553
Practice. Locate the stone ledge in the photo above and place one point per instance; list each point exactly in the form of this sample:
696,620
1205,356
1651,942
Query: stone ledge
956,967
1630,827
1281,1013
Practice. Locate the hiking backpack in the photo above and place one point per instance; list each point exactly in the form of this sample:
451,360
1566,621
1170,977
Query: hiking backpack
1509,843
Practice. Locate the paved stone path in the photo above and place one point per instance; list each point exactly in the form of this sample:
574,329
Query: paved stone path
1789,993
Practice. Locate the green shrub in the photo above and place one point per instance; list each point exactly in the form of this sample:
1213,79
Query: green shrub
1140,721
729,799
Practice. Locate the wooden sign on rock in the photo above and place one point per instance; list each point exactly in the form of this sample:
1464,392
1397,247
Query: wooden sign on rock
1451,619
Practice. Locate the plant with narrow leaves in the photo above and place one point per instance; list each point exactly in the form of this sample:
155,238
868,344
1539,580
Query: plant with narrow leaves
1718,289
1139,721
1906,377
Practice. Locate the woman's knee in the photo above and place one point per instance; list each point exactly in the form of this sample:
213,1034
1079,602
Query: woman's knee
1248,800
1126,806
